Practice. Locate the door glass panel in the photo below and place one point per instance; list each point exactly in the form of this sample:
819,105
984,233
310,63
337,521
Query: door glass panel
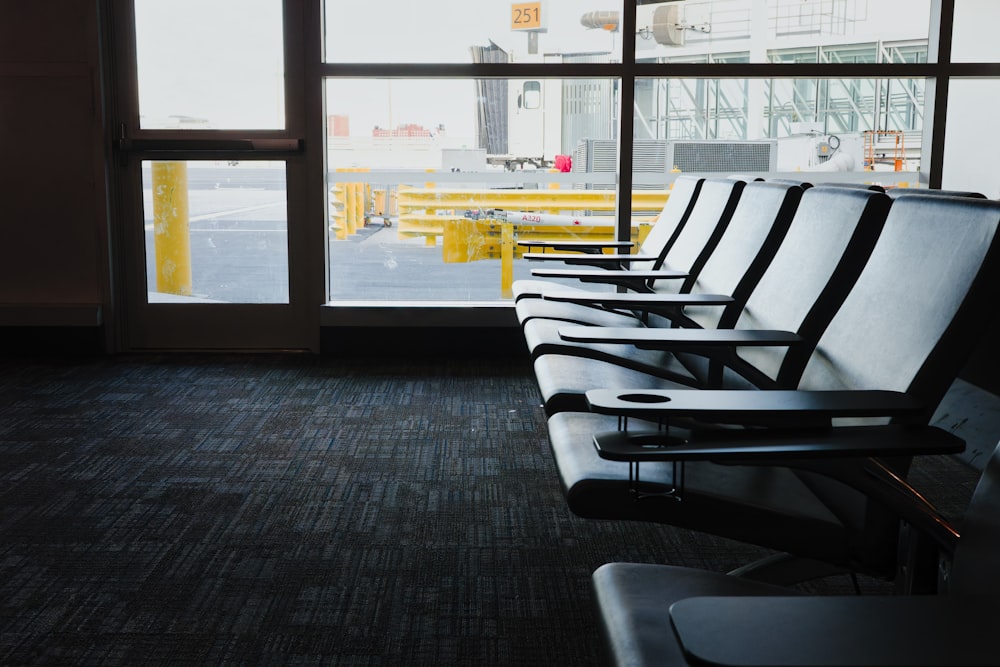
210,65
447,31
215,232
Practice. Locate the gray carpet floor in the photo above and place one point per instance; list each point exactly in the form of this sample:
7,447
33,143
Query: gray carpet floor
284,509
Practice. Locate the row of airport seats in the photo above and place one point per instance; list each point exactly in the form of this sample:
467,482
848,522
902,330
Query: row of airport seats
764,369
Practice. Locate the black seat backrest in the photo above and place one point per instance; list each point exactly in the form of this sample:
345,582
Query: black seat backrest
850,186
826,246
751,239
805,185
671,219
974,568
895,193
925,297
922,301
712,210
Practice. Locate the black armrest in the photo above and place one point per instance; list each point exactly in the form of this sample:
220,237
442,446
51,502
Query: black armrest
580,245
592,259
674,339
608,275
736,447
632,279
639,301
877,631
751,406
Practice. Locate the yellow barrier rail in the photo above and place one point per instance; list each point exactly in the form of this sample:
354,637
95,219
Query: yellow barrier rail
433,213
427,211
473,240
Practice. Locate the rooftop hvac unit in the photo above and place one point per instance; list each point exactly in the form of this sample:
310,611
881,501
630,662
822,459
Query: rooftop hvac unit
724,156
595,156
599,156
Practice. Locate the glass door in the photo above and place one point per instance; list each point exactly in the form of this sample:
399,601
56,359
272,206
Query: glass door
211,176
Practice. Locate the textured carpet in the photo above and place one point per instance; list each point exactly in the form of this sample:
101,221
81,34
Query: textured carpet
244,509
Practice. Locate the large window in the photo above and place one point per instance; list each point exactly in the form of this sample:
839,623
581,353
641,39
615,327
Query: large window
431,186
382,157
454,130
972,101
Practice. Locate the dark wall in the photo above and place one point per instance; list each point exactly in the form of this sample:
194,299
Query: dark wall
54,214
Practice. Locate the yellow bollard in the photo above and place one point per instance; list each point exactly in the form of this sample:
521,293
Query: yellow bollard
430,240
351,207
369,204
359,203
506,260
171,231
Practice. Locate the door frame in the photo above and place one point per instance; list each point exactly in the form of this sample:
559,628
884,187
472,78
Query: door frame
141,325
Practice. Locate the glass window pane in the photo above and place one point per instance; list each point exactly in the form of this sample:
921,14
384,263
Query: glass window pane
975,38
451,31
210,65
806,31
969,150
831,129
427,198
407,181
216,232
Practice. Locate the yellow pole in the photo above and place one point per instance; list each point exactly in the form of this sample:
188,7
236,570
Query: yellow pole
351,208
430,239
359,203
506,260
171,232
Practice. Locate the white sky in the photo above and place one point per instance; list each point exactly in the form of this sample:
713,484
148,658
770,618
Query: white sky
221,60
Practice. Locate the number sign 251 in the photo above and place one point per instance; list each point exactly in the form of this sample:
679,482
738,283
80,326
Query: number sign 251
526,16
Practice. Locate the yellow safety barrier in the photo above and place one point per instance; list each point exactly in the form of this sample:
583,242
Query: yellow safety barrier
427,211
472,240
431,212
348,204
338,213
465,240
